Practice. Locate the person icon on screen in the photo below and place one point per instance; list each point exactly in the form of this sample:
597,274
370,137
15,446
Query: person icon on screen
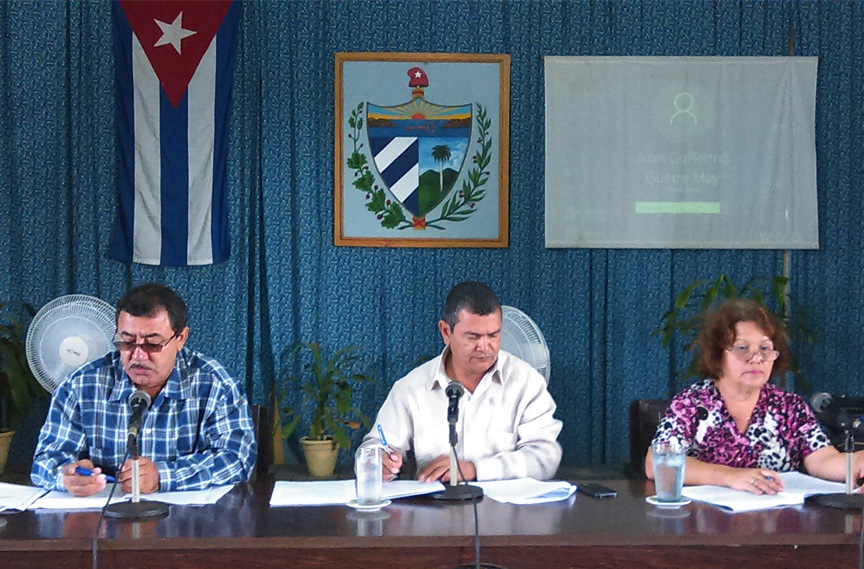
683,102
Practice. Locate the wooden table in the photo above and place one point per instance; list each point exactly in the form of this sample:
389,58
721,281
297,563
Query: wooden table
243,531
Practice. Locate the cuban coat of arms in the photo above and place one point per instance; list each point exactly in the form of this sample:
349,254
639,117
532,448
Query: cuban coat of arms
411,160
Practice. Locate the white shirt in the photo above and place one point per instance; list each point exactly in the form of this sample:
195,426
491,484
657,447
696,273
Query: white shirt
506,427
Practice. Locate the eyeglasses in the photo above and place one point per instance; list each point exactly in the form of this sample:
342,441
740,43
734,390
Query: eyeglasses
147,347
745,354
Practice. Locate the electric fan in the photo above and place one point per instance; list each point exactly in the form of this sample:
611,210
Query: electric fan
65,334
521,336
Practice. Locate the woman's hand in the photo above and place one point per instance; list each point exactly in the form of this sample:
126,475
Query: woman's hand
755,480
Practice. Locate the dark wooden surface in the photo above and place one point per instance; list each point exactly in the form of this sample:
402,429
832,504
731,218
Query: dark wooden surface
243,531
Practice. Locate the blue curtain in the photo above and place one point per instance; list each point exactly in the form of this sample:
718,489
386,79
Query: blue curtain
286,282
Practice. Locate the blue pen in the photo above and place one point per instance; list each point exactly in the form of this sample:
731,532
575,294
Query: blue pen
384,440
87,472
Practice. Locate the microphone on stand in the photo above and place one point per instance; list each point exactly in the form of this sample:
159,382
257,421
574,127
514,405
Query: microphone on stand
837,416
139,402
135,509
455,491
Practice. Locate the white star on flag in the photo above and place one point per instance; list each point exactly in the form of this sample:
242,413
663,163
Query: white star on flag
173,33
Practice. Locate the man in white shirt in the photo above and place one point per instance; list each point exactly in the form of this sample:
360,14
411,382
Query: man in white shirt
506,428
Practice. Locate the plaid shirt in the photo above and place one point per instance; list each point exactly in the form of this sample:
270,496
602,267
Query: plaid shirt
198,431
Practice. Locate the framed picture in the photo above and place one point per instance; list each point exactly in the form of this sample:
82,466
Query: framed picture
422,146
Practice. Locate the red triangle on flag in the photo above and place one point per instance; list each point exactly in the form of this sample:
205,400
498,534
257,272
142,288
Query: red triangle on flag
191,25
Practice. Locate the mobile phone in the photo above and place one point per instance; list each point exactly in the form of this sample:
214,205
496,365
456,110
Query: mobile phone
596,490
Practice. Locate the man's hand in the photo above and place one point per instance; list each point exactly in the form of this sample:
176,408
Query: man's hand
148,476
82,486
439,469
391,465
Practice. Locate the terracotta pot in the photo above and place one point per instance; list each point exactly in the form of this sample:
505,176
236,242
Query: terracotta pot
320,456
5,442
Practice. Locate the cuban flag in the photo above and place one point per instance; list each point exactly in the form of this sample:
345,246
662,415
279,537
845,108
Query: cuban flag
174,61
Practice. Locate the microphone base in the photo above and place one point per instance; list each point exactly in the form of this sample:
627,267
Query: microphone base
841,501
144,509
459,493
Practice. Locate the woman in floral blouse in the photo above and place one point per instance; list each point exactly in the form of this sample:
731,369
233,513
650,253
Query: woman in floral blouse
741,430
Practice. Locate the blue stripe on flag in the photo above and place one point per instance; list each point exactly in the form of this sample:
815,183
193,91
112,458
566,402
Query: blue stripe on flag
124,116
226,54
175,180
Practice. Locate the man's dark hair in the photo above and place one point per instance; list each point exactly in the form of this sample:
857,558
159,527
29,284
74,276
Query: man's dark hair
147,299
475,297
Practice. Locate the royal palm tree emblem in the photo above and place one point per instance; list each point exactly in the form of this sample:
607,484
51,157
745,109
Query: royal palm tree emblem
441,154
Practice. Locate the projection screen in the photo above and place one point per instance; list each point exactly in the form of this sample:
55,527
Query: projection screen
681,152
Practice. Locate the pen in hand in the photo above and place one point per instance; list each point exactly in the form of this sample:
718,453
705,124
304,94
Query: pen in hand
384,441
80,470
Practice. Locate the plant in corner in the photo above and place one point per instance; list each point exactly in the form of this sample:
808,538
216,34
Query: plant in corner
690,306
18,385
327,388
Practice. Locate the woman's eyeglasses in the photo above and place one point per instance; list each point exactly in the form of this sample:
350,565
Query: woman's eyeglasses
745,354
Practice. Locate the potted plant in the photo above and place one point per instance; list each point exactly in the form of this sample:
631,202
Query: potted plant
685,317
18,385
327,387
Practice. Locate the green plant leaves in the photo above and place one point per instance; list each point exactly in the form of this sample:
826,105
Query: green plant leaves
685,317
327,387
18,385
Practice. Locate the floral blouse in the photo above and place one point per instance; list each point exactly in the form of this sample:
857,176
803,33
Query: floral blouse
781,433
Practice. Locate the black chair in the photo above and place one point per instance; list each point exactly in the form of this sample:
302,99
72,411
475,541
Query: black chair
645,415
262,417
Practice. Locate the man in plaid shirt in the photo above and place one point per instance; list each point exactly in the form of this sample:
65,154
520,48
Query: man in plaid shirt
197,433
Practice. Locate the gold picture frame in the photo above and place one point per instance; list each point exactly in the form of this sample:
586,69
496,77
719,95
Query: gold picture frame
421,150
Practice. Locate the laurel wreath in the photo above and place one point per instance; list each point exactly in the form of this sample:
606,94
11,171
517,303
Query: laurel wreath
389,212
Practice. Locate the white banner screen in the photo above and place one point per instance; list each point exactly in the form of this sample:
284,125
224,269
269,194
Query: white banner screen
681,152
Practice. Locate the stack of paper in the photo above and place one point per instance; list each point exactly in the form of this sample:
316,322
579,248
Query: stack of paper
18,497
525,491
797,487
64,501
332,492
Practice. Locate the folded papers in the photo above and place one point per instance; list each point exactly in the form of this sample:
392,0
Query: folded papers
797,487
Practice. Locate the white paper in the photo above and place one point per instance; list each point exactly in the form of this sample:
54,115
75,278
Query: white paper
797,487
56,500
332,492
525,491
18,496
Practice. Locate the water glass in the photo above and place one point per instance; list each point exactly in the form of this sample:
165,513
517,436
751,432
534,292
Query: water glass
669,458
368,469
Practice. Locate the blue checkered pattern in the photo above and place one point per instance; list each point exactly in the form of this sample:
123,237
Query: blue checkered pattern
198,431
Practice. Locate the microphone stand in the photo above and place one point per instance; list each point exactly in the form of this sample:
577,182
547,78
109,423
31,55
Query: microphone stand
456,492
135,509
849,499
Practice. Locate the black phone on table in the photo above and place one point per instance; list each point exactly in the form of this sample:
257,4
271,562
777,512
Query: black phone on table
596,490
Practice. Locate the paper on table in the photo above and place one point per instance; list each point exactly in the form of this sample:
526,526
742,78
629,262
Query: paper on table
333,492
525,491
797,487
18,496
56,500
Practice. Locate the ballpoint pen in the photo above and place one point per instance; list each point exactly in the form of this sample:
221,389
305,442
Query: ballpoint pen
384,440
87,472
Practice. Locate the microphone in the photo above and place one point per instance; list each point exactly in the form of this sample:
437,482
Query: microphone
455,491
454,391
139,402
839,414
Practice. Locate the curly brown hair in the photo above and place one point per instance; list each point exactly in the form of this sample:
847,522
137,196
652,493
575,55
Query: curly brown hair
718,333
